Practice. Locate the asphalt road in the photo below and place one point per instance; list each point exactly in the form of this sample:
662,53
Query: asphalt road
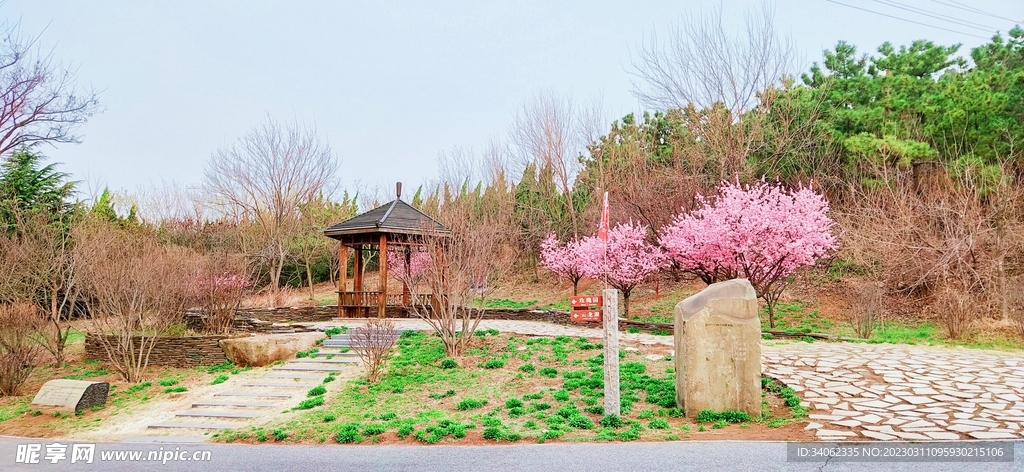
559,457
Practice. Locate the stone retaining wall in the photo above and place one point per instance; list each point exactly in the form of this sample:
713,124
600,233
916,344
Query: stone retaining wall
184,351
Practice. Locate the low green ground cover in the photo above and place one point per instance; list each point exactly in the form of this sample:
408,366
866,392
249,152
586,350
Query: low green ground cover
546,388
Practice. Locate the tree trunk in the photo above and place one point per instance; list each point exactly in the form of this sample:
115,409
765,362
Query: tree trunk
309,279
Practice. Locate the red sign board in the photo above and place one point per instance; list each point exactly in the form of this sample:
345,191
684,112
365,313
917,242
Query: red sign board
585,301
585,316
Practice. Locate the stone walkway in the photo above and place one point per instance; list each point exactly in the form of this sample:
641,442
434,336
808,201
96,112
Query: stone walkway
864,391
894,392
257,401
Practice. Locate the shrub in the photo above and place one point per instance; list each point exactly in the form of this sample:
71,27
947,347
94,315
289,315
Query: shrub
404,431
513,403
329,418
548,372
533,396
658,423
388,416
261,435
374,429
539,406
675,412
493,433
492,421
528,368
631,434
561,395
315,391
470,404
438,396
19,349
349,434
605,434
279,435
595,409
310,403
494,364
516,412
568,410
177,389
167,382
220,379
611,421
643,415
729,416
373,343
579,421
449,364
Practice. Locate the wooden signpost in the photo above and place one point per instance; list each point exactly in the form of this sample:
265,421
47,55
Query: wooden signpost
583,309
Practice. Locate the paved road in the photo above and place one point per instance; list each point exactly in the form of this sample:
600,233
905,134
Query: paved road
561,457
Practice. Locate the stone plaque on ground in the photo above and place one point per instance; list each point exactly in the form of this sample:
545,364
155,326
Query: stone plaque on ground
71,395
718,350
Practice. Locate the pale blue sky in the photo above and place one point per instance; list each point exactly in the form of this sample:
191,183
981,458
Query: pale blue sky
388,86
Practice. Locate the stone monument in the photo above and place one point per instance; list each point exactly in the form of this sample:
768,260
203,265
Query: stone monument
71,395
718,350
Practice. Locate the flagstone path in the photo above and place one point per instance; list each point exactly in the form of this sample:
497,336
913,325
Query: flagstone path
885,392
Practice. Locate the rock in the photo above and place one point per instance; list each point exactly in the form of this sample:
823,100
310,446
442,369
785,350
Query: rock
718,341
71,395
654,357
261,350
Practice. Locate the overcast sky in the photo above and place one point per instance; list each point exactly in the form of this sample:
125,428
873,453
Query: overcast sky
389,87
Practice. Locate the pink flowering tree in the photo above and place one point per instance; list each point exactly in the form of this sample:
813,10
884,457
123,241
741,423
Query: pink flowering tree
626,261
419,265
761,231
562,259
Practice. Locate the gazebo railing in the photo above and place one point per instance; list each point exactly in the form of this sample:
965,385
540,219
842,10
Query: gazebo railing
359,298
372,299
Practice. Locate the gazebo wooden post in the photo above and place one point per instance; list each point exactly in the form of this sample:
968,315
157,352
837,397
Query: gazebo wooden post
405,280
383,272
342,277
357,281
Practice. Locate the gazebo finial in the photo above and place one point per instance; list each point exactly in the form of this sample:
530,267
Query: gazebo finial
398,190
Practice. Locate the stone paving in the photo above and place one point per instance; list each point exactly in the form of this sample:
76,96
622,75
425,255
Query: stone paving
864,391
897,392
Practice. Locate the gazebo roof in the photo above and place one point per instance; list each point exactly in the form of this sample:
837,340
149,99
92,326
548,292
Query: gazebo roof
395,217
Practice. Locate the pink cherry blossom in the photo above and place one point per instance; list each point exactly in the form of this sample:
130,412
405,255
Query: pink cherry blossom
625,261
419,263
562,259
761,231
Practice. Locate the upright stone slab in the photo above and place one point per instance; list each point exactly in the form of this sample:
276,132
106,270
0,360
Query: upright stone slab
71,395
718,350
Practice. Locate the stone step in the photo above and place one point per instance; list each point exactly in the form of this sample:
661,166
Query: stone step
171,424
239,404
165,439
263,395
345,360
309,368
285,375
281,385
218,414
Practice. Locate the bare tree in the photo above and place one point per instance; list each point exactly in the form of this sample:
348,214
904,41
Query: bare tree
135,288
373,343
19,347
464,266
39,101
551,131
266,177
702,63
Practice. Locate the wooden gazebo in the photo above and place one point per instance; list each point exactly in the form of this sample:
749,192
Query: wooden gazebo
394,223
